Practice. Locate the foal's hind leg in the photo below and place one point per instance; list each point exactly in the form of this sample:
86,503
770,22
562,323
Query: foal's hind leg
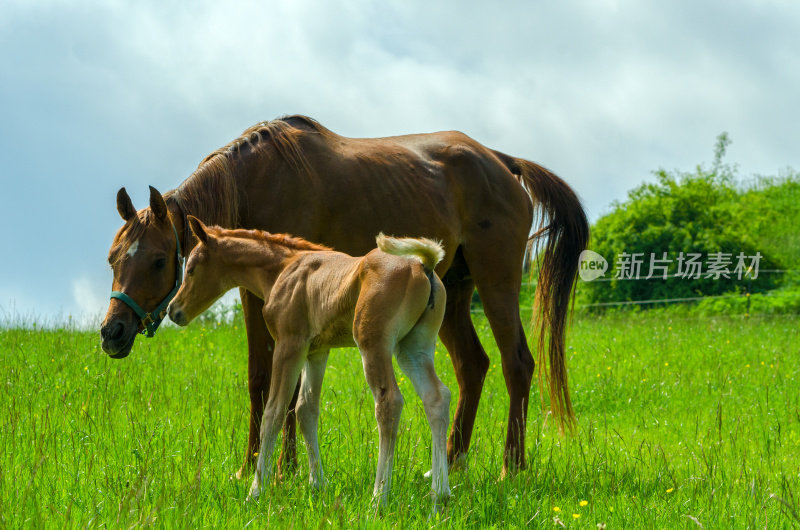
415,358
376,356
308,413
470,363
260,346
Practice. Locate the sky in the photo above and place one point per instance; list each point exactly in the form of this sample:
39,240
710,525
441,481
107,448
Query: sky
96,95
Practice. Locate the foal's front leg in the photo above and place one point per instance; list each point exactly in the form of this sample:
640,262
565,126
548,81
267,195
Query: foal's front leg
308,413
287,363
260,346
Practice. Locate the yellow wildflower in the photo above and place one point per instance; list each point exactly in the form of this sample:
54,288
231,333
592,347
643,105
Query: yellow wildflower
584,503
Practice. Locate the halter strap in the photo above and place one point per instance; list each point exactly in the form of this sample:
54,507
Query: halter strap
150,321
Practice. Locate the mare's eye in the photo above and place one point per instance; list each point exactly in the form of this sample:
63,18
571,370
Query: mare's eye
160,264
189,270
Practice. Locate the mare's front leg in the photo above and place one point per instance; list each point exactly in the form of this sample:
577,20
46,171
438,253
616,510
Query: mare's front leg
287,363
260,347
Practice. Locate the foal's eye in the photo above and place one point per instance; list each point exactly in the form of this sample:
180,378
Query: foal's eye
160,264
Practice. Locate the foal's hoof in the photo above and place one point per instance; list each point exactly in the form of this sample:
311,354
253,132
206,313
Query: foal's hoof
460,464
253,495
255,491
378,504
439,504
318,485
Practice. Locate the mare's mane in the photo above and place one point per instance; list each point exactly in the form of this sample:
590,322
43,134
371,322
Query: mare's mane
284,134
211,193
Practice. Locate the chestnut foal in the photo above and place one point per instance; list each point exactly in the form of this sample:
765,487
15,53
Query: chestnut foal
317,299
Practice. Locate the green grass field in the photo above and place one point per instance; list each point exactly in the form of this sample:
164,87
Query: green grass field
681,422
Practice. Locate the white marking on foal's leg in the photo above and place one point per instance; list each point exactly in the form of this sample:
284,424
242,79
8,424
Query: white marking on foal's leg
417,363
133,248
308,414
270,427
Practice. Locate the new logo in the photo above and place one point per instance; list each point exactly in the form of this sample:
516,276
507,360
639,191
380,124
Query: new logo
592,265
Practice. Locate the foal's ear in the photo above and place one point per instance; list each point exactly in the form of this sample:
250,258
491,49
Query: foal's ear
157,204
125,205
198,228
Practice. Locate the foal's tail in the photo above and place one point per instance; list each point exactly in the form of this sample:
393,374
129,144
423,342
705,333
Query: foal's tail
428,251
563,223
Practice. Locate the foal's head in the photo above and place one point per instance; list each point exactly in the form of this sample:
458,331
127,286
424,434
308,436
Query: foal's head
145,264
203,284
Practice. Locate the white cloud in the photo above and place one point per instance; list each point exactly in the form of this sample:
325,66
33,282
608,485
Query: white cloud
103,94
90,301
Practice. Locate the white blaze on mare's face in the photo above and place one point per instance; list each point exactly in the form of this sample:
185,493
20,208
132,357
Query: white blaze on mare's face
134,248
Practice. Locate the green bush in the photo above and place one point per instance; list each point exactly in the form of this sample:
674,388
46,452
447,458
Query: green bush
702,212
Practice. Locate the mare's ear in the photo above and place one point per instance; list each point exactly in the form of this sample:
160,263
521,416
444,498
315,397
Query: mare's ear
125,205
157,204
198,228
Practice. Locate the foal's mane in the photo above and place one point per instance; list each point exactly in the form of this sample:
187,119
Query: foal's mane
211,193
284,240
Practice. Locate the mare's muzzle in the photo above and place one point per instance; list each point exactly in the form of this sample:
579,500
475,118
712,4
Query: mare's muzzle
149,322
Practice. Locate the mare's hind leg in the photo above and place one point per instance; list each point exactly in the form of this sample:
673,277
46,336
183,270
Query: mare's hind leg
308,413
260,347
498,282
415,357
287,364
470,363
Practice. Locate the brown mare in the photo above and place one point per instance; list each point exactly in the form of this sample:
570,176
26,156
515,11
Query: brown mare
316,299
292,175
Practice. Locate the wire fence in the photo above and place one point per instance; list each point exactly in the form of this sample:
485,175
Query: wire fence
532,285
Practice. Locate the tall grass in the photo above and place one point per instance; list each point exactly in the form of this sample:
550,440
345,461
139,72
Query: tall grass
681,422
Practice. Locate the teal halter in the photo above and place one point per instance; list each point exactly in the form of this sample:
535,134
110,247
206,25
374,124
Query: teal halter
153,319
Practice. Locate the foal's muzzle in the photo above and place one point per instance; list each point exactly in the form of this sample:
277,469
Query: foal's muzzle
177,316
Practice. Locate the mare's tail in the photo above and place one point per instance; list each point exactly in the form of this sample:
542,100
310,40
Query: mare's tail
562,221
428,251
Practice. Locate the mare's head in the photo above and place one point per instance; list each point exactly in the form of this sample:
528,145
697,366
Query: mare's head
146,269
203,284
